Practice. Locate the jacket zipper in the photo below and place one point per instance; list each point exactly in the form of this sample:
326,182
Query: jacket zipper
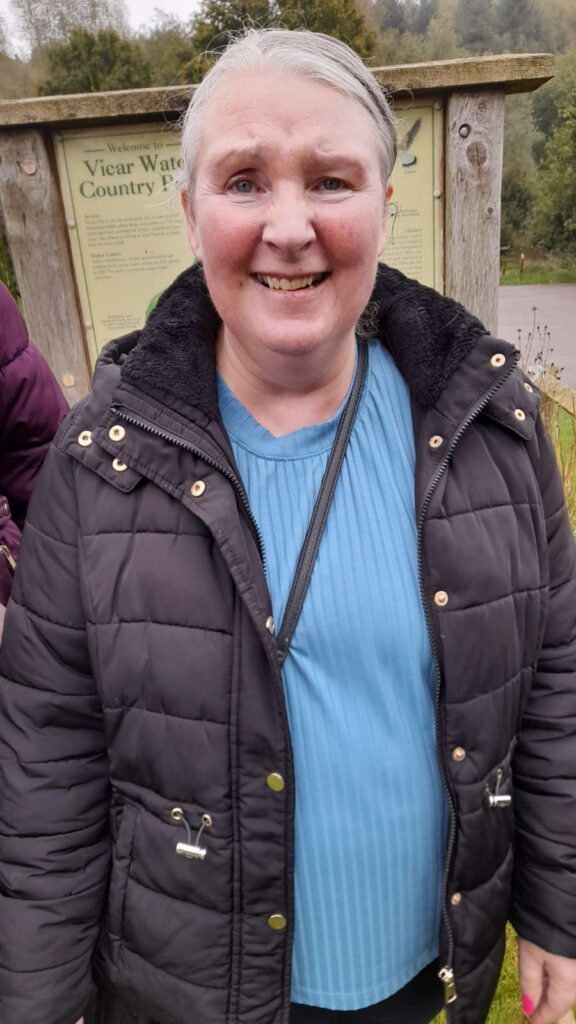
446,973
173,439
165,435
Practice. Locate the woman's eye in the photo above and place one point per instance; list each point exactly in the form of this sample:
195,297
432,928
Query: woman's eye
242,186
331,184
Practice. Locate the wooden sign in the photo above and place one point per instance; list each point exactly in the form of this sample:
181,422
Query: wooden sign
125,222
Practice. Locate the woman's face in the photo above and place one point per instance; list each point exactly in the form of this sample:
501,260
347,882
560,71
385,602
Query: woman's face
288,213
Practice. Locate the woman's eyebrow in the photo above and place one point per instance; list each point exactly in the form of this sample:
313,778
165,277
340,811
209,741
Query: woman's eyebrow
250,153
244,154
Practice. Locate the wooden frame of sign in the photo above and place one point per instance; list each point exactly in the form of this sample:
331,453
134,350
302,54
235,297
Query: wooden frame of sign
465,99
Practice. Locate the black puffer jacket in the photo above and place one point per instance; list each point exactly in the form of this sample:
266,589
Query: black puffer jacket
140,677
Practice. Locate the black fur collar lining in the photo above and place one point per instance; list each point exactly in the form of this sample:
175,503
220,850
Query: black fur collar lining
427,334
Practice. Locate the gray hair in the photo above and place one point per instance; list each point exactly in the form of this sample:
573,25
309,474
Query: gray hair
311,54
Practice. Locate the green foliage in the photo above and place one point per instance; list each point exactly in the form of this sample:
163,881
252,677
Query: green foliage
441,41
17,77
420,14
94,62
168,50
218,20
392,14
517,201
560,24
405,16
555,204
545,270
475,25
551,97
338,18
520,174
519,26
7,275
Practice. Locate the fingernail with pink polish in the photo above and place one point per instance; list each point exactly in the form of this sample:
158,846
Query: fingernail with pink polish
527,1005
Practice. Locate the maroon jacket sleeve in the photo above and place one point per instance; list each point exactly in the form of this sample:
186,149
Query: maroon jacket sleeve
31,409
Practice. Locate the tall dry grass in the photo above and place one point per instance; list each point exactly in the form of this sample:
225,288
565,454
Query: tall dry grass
558,404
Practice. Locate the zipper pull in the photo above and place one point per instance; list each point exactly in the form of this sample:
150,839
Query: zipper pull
9,558
447,978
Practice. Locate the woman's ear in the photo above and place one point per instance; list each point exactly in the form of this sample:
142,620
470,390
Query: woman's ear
191,229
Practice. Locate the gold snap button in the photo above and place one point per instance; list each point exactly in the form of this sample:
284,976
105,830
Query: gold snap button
498,359
117,433
458,754
119,466
197,489
520,414
441,598
435,441
528,387
456,899
275,782
85,438
277,922
270,624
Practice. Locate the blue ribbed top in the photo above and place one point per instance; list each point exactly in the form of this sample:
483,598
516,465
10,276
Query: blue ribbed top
370,811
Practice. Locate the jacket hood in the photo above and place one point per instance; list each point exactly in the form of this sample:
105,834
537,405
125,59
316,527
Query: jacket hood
174,355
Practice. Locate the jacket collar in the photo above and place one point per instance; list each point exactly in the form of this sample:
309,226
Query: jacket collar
427,334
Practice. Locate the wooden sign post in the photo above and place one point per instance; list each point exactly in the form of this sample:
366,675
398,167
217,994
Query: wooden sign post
84,180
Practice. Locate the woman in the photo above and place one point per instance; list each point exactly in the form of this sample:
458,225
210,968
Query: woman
31,408
310,821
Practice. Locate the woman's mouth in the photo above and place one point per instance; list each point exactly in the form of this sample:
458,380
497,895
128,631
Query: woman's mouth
291,284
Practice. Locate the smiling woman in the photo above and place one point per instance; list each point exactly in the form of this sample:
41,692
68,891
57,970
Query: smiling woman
287,217
288,712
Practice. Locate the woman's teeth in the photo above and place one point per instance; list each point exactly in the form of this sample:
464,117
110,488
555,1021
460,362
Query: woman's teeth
289,285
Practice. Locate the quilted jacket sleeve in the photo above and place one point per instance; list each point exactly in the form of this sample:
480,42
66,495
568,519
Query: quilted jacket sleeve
54,842
544,895
31,409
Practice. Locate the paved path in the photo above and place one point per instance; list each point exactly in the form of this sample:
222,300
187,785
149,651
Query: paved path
555,312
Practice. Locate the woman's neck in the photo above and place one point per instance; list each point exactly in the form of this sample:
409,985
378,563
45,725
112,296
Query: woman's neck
287,392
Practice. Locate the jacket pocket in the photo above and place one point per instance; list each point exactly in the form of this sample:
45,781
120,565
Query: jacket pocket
125,818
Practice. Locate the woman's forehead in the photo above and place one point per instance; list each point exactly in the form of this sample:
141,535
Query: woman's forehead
253,110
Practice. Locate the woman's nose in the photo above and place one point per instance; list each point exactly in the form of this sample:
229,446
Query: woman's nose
288,223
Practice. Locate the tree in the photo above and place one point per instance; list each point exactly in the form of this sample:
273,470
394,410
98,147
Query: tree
520,173
519,25
93,62
218,20
47,21
555,203
441,40
420,14
338,18
551,97
168,50
474,24
560,24
391,14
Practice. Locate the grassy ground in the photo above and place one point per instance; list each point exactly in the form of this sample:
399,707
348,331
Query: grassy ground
550,270
506,1006
561,425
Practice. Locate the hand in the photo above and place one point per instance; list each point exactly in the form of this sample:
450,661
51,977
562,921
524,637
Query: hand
547,982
